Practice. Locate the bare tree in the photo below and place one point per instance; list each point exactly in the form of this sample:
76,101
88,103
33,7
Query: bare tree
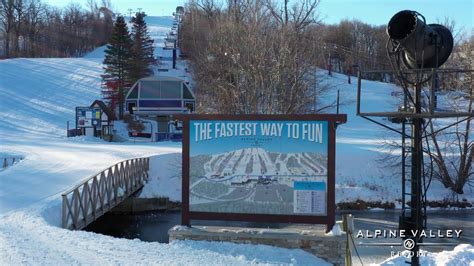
453,149
31,28
8,19
248,59
300,14
454,160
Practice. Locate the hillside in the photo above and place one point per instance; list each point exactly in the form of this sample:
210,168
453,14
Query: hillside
37,98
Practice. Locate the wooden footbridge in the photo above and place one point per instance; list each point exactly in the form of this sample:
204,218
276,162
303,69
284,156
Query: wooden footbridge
101,192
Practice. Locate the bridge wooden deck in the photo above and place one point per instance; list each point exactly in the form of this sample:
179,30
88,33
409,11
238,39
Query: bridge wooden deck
96,195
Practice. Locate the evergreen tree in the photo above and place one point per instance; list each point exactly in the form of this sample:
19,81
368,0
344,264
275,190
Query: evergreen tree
142,49
117,60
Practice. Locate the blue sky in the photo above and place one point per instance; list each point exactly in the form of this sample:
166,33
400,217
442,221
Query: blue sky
379,12
275,144
376,12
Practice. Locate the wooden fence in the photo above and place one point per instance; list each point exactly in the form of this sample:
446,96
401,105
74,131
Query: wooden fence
98,194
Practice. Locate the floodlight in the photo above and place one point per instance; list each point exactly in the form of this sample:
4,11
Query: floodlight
424,46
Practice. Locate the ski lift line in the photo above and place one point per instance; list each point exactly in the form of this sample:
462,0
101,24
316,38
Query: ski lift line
327,46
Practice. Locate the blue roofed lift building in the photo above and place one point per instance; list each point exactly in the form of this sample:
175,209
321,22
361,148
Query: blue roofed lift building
159,98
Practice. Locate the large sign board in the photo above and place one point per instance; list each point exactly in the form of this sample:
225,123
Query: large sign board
274,168
88,117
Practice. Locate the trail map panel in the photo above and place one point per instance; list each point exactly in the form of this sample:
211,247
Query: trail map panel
276,167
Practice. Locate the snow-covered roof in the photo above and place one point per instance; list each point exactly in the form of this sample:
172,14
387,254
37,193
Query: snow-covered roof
104,108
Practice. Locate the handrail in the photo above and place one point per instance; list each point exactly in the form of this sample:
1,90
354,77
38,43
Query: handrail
78,184
96,195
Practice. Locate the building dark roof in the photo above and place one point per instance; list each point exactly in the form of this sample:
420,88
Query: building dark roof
105,109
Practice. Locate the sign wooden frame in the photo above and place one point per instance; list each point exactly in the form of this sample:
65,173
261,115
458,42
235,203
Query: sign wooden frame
329,219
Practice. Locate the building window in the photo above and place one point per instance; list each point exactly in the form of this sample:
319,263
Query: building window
134,93
186,93
170,90
149,89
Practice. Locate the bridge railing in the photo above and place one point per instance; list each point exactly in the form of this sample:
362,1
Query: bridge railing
96,195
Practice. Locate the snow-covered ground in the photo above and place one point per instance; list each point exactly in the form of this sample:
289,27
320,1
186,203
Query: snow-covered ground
38,97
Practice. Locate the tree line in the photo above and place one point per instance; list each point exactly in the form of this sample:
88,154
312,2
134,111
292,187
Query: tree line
31,28
259,56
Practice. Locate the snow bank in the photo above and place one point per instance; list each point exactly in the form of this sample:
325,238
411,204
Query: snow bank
31,237
336,231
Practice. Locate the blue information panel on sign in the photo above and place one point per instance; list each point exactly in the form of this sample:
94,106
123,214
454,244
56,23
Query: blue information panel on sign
88,117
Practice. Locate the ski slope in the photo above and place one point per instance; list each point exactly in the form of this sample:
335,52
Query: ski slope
38,97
